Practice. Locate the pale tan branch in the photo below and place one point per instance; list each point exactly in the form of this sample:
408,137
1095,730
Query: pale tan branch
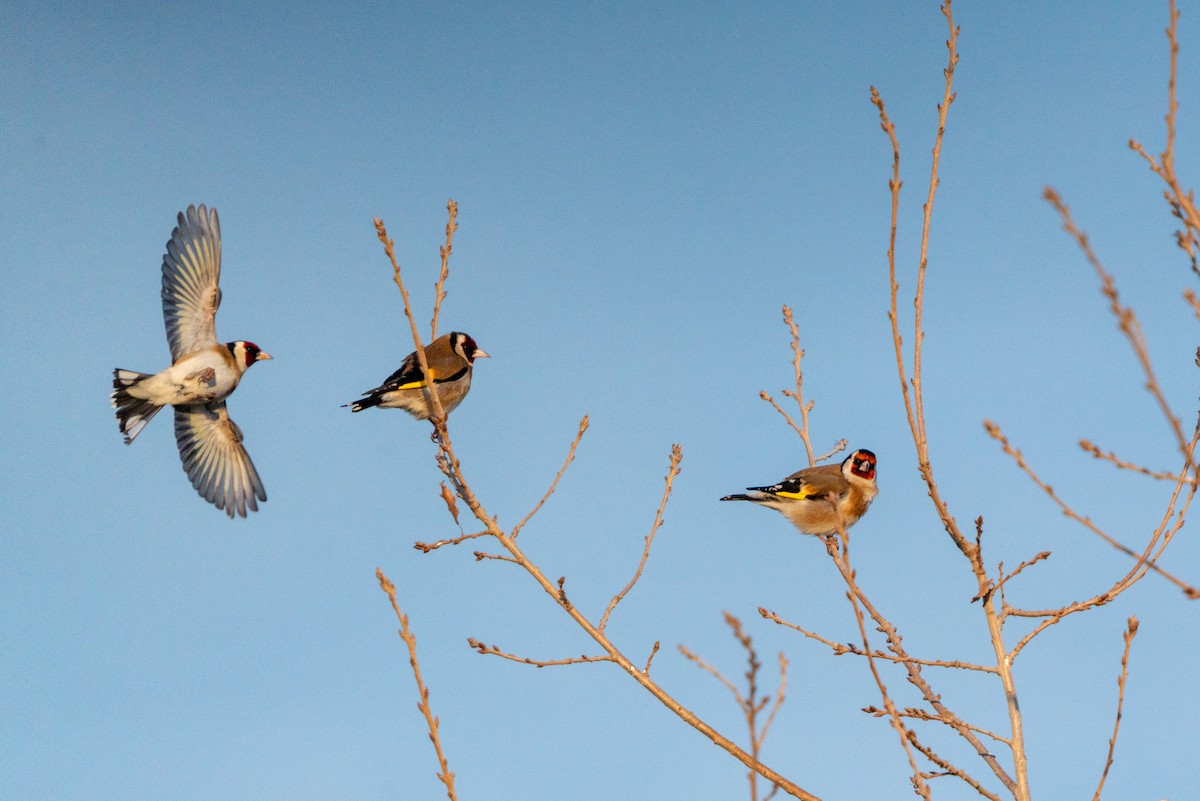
1130,632
426,547
1027,563
767,397
1181,201
439,289
921,714
583,426
1162,475
998,435
492,650
446,776
672,472
918,781
951,770
649,659
1126,320
917,678
840,649
499,557
798,395
1135,574
695,658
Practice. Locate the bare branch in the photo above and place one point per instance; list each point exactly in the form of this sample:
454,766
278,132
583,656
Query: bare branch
798,395
998,435
1126,320
712,671
921,714
445,775
492,650
426,547
840,649
649,659
672,472
1130,632
918,781
583,426
481,555
439,289
1094,450
951,770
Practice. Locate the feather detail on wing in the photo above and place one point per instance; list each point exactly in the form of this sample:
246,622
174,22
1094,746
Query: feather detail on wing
210,446
191,275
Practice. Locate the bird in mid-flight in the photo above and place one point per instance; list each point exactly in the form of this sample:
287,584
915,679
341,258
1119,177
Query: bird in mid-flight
821,500
203,372
451,359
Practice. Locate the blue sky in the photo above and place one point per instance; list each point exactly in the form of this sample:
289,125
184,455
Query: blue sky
640,189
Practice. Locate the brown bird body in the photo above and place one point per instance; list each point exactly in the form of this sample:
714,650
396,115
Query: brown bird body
821,500
451,359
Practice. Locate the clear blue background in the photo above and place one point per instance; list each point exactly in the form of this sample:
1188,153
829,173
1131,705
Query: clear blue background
641,188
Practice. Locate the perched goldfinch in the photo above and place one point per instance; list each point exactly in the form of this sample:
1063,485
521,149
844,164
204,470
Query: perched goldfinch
202,375
819,500
451,358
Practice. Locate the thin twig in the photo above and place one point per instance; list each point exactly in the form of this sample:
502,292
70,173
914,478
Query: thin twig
1127,321
798,395
951,770
917,678
998,435
921,714
439,289
1027,563
583,426
1130,632
1181,201
672,472
426,547
918,781
445,775
840,649
492,650
1094,450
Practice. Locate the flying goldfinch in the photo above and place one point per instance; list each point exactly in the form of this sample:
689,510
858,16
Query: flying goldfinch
203,372
451,358
820,500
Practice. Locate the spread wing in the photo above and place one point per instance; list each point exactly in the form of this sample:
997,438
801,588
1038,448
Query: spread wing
191,273
210,445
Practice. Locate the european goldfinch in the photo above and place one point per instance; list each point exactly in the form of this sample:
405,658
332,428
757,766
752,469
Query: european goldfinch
202,375
820,500
451,358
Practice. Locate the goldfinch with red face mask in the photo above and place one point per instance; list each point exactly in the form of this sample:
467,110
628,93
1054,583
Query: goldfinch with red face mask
820,500
203,372
451,359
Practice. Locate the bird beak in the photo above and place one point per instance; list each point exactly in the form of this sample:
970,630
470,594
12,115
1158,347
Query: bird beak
262,354
481,355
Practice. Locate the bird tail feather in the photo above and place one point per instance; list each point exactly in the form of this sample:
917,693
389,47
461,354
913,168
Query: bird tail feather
132,413
364,403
